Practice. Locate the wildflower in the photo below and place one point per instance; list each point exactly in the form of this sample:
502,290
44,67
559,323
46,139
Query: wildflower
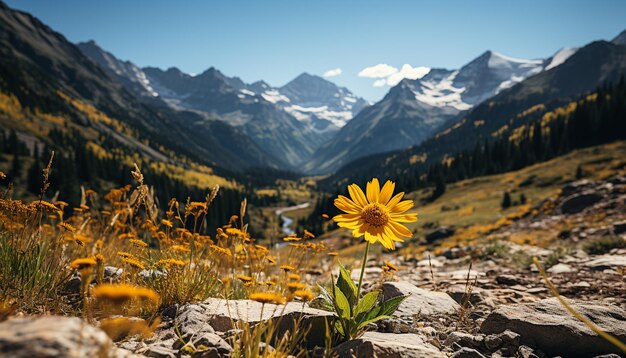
83,263
123,292
304,295
133,262
325,216
80,240
308,234
67,227
244,278
294,277
287,268
333,253
270,259
99,258
180,248
391,266
267,297
294,286
2,175
138,243
167,223
125,255
291,238
270,283
169,263
376,215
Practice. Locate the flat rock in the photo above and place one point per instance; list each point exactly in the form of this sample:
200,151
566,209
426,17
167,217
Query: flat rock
420,301
222,315
388,345
604,262
579,202
466,352
54,336
546,324
561,268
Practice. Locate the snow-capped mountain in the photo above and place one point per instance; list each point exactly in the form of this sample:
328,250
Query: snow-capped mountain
620,39
131,75
413,110
319,103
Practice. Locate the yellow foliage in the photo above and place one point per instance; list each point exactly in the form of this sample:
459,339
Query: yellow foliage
10,105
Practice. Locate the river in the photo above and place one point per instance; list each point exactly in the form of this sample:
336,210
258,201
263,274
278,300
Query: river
287,221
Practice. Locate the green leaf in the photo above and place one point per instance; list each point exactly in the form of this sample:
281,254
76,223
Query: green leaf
339,328
325,294
341,302
367,302
365,323
391,305
347,286
372,313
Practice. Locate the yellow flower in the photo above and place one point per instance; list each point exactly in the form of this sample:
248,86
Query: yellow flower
82,263
134,263
123,292
333,253
138,243
244,278
267,297
305,295
287,268
391,266
376,215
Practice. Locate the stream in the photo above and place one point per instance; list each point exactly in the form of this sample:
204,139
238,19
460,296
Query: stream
287,221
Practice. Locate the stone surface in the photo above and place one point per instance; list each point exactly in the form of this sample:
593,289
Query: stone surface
466,352
547,325
420,301
561,268
220,315
440,233
579,202
604,262
387,345
53,336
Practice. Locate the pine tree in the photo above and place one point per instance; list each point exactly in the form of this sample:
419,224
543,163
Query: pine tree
506,200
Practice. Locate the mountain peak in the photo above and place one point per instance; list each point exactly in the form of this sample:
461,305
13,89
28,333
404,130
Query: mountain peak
620,39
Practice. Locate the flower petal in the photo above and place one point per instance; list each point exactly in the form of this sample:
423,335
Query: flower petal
404,218
357,195
402,206
386,192
345,204
346,217
373,190
396,199
400,229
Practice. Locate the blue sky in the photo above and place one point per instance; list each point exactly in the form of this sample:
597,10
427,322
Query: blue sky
277,40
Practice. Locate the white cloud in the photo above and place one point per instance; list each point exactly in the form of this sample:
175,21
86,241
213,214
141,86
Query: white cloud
379,71
332,73
380,83
389,75
412,73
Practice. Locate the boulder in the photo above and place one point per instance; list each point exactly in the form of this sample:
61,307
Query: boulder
420,301
579,202
546,324
440,233
221,315
561,268
604,262
619,227
466,352
54,336
387,345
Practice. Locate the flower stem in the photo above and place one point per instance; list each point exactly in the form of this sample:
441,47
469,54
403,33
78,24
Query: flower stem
358,292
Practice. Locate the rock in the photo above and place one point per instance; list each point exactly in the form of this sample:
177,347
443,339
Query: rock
619,228
560,269
387,345
420,301
525,352
466,352
221,315
440,233
454,253
112,273
547,325
53,336
604,262
508,280
579,202
159,350
463,339
209,340
458,293
575,187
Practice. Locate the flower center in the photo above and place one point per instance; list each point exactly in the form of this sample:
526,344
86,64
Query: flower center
375,215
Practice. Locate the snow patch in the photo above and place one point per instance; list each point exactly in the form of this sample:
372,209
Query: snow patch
560,57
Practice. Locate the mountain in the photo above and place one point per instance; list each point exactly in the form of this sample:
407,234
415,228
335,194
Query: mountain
581,72
620,39
321,104
414,110
56,87
289,123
